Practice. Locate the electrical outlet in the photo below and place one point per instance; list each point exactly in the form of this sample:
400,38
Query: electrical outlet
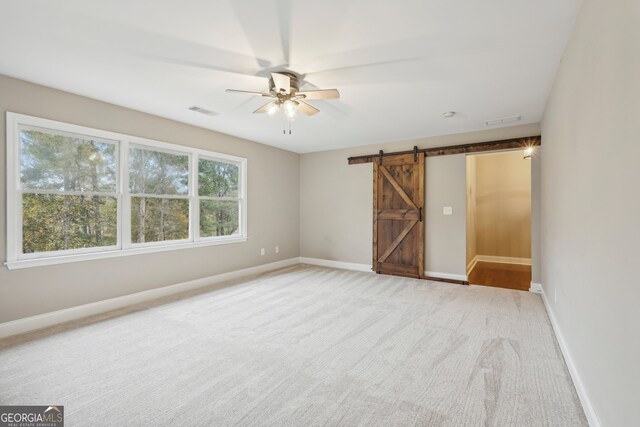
277,249
447,210
262,251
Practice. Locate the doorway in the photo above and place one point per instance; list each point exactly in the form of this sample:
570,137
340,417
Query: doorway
499,220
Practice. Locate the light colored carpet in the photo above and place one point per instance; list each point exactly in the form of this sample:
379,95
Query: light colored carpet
307,346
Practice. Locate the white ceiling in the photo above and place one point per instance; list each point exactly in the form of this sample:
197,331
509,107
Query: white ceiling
397,64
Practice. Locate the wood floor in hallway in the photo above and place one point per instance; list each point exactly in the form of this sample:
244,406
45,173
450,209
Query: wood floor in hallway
499,275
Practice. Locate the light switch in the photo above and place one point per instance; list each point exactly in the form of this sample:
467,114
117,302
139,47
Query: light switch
447,210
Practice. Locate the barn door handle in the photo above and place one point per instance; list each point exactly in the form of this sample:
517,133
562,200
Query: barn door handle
420,214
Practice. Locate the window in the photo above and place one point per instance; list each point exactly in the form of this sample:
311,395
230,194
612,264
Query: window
68,187
159,188
76,193
218,198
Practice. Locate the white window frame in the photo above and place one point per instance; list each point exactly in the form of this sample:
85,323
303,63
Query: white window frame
200,198
129,243
16,259
19,192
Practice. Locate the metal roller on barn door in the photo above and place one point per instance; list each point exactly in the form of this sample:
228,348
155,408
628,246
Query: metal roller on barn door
398,214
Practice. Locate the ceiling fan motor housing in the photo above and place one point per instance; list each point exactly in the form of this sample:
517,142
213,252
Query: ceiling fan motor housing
294,85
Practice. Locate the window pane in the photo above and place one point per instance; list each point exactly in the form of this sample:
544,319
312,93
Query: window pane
155,172
55,162
219,218
155,219
217,179
56,222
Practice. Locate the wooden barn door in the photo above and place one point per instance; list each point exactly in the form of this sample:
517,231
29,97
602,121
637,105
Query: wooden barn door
398,215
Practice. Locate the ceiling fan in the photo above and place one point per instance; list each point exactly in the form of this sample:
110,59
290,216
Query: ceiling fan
285,90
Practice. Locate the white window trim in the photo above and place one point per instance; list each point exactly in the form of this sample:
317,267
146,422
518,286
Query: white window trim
241,195
129,243
124,247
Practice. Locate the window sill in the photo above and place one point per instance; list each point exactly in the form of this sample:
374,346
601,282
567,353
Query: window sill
39,262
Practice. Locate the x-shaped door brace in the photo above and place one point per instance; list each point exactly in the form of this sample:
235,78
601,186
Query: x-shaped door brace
410,224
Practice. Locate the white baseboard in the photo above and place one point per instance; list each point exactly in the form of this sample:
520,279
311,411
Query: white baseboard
589,412
503,259
73,313
367,268
472,264
535,288
449,276
336,264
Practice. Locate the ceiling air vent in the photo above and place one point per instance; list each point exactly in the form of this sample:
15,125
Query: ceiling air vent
503,121
202,110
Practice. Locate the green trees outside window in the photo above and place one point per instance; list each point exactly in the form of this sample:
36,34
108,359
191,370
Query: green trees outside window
70,192
159,185
219,203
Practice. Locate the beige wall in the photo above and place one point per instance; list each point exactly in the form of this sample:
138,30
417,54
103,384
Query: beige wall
336,201
590,205
502,202
445,236
536,244
472,211
273,202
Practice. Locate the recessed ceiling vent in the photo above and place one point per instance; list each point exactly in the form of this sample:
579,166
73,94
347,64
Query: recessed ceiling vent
202,110
503,121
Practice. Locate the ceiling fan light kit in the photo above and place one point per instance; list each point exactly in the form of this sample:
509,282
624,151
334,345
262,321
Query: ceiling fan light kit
284,89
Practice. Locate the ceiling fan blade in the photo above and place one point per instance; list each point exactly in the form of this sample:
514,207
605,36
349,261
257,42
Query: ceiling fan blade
421,58
156,46
282,82
266,26
284,25
307,109
247,92
265,107
320,94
